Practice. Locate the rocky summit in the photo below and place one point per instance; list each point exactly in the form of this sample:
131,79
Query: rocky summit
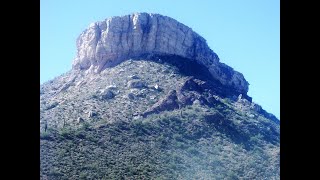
107,43
146,98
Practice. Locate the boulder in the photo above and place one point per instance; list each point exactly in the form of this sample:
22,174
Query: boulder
92,114
131,96
136,84
107,94
133,77
80,120
196,102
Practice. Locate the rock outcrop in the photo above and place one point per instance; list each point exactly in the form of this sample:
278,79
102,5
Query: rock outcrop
107,94
107,43
169,102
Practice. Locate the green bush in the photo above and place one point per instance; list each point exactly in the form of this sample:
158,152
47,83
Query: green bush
232,176
80,134
66,133
193,150
45,135
55,173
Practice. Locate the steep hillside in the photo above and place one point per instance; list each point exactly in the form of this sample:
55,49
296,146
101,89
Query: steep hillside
153,115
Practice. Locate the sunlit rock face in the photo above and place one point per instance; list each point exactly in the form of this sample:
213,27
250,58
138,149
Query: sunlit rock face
107,43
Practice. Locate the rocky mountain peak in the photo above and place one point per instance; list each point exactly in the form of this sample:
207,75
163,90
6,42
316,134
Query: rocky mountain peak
107,43
148,99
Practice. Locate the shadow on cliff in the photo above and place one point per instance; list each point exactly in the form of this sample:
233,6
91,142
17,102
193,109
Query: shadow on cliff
190,67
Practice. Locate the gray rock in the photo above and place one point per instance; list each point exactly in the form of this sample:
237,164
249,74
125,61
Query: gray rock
107,43
245,105
243,101
250,115
68,84
80,120
131,96
136,84
137,117
111,87
255,107
92,114
133,77
107,94
52,105
152,97
196,102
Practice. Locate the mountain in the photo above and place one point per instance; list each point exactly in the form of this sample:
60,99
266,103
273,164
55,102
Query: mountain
146,98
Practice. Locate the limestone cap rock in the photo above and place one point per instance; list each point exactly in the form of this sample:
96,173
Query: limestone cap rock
107,43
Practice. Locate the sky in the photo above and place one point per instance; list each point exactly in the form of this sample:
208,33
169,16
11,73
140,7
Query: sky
245,34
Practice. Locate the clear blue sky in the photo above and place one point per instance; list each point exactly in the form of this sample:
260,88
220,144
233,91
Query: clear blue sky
245,34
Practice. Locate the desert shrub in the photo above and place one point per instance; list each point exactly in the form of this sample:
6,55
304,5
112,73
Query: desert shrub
226,101
177,137
45,135
55,173
193,150
66,133
232,176
80,134
256,139
91,137
85,126
83,175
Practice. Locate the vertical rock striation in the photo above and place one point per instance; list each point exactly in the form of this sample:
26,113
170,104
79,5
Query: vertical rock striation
107,43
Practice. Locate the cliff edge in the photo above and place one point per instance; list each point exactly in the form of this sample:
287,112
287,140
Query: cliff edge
107,43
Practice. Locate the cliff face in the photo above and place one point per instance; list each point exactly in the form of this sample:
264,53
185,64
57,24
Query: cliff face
107,43
148,99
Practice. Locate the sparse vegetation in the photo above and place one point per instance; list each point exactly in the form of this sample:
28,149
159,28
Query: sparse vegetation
215,141
159,146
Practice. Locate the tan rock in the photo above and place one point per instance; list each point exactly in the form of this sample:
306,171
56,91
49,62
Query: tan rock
107,43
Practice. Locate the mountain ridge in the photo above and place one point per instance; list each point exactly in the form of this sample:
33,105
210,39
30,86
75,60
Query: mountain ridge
153,115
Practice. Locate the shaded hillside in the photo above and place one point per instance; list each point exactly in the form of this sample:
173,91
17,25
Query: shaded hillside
214,134
192,143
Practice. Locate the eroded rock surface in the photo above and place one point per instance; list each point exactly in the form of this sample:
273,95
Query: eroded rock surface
107,43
